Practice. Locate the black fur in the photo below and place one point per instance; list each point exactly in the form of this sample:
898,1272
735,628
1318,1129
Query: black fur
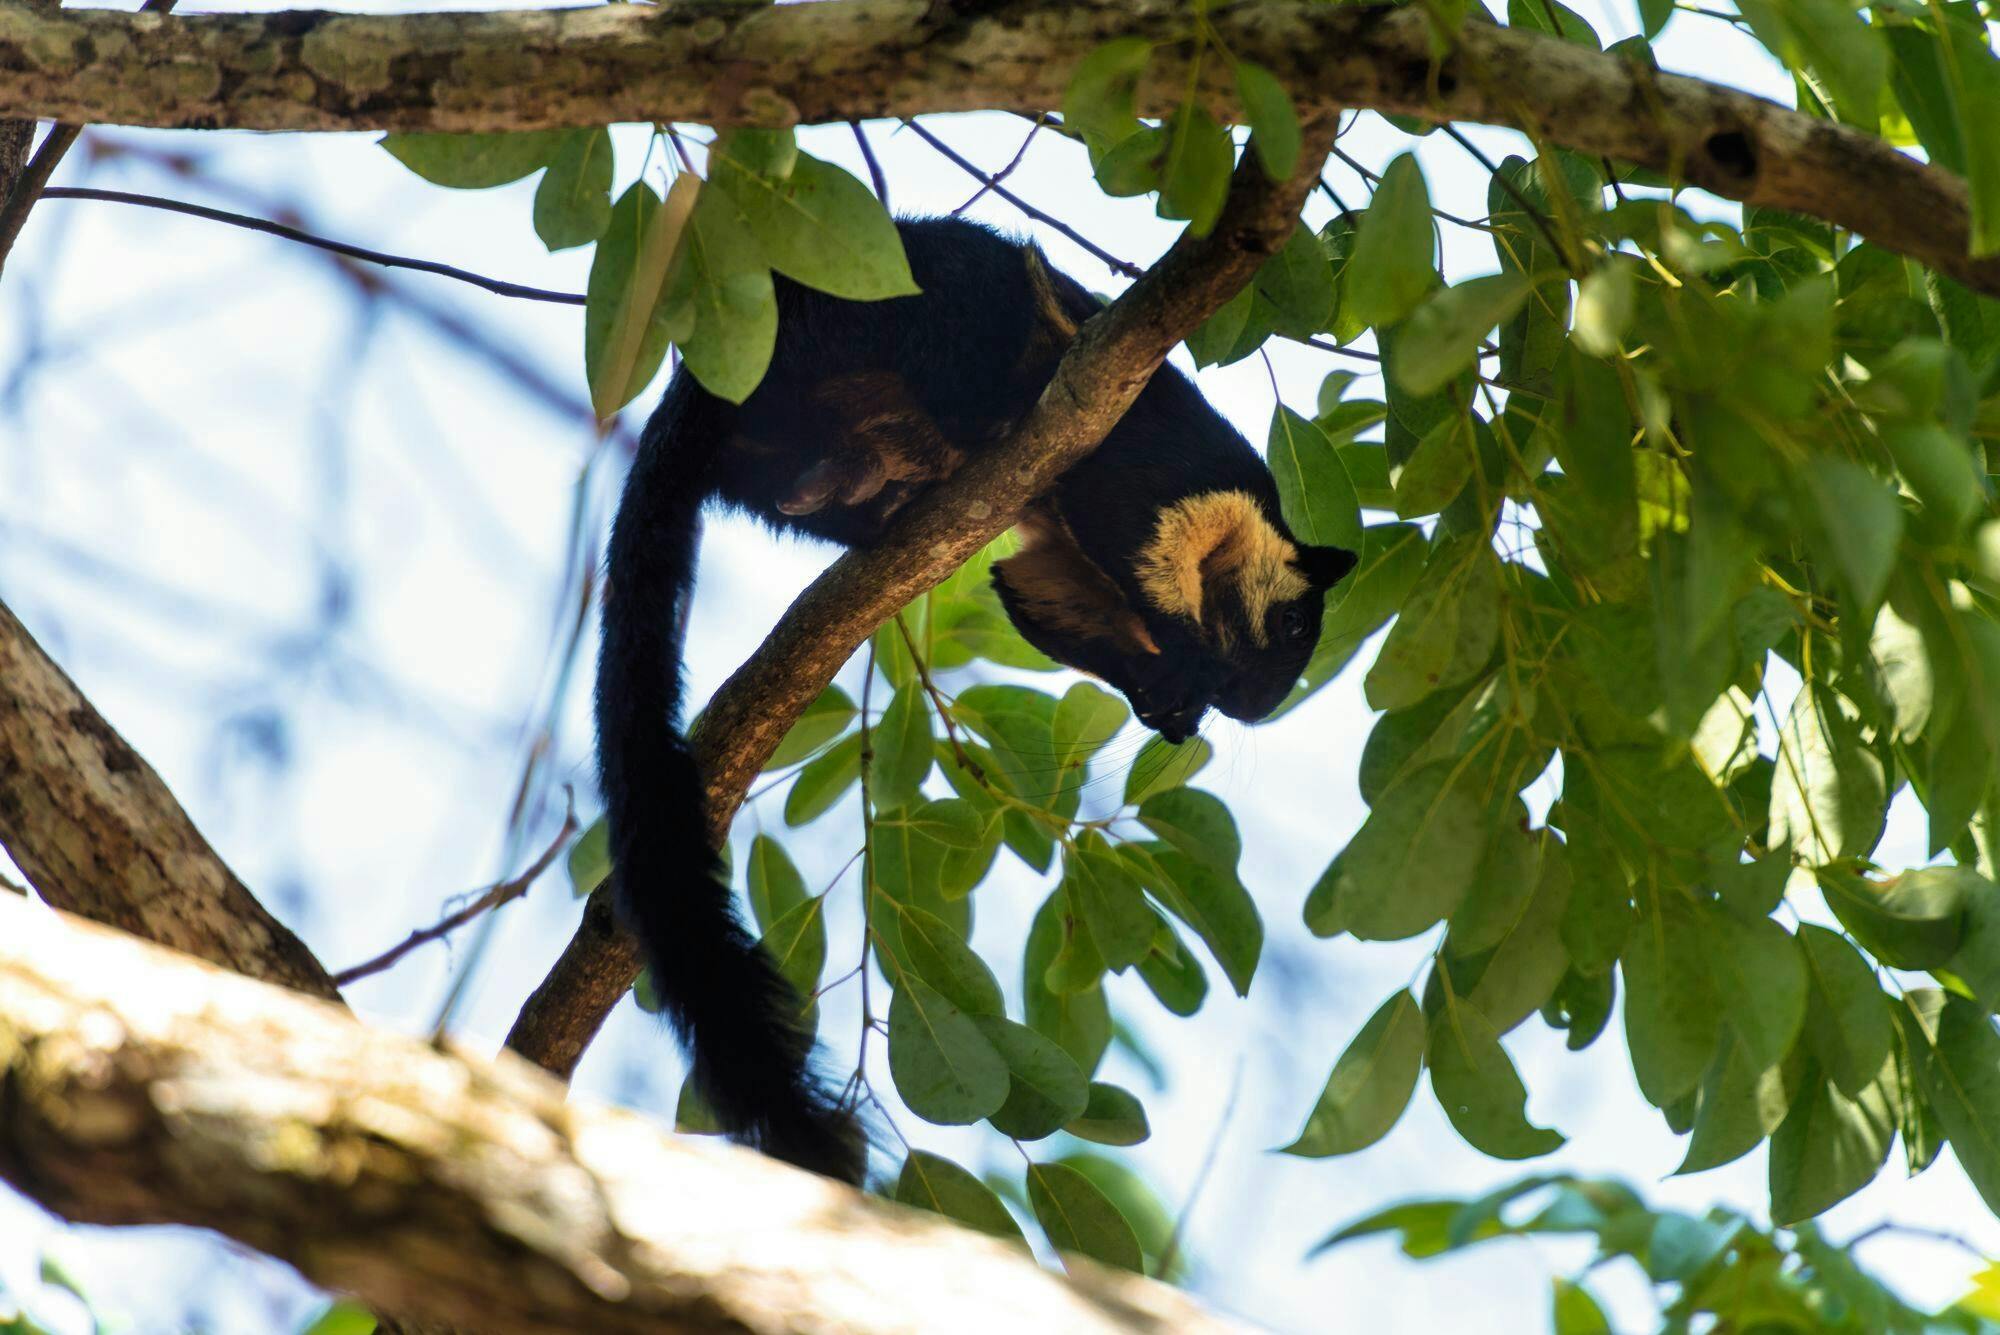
864,405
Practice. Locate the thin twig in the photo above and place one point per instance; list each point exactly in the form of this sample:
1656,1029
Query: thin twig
9,883
498,287
1888,1226
965,762
1540,220
487,900
1123,267
1171,1252
875,175
1020,153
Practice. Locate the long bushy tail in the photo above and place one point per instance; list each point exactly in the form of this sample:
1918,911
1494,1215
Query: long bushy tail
736,1015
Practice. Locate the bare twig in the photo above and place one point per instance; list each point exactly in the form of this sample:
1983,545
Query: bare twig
875,176
1116,265
996,178
497,286
484,902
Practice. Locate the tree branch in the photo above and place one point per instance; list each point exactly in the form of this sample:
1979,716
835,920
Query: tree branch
97,833
139,1087
723,63
492,897
1114,355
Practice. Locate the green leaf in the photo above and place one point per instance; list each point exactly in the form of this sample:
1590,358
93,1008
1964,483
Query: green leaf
1442,337
1553,20
1956,1052
1977,959
1274,122
797,943
818,225
1972,77
1212,902
1447,629
1161,765
1078,1217
589,860
1672,1016
1409,865
1438,469
1173,975
1112,905
628,316
1424,1225
942,959
1481,1093
1197,823
1847,1023
1941,469
1576,1312
1739,1103
1829,38
474,161
775,886
728,281
1112,1116
1828,799
692,1115
1522,969
1828,1148
929,1182
1086,718
1046,1088
1078,1021
1370,1085
1099,103
1856,524
1194,179
823,780
1760,981
1314,490
823,720
1680,1246
903,751
1391,270
944,1067
1501,890
1294,292
573,202
339,1318
1912,921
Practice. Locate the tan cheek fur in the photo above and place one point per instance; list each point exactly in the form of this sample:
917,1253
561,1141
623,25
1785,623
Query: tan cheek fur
1215,537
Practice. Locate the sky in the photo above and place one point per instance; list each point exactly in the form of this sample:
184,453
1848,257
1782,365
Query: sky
308,556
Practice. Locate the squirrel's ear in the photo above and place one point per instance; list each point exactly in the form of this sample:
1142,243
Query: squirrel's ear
1324,567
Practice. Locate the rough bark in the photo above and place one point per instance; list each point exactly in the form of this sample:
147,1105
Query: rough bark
137,1086
98,833
1113,357
721,62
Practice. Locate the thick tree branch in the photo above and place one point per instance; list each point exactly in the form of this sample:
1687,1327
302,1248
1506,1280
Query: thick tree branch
97,832
139,1087
1113,357
718,62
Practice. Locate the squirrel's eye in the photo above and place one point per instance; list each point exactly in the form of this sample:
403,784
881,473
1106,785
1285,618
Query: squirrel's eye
1294,623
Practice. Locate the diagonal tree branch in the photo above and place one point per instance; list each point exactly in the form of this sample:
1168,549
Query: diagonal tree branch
718,62
99,834
139,1087
1113,357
